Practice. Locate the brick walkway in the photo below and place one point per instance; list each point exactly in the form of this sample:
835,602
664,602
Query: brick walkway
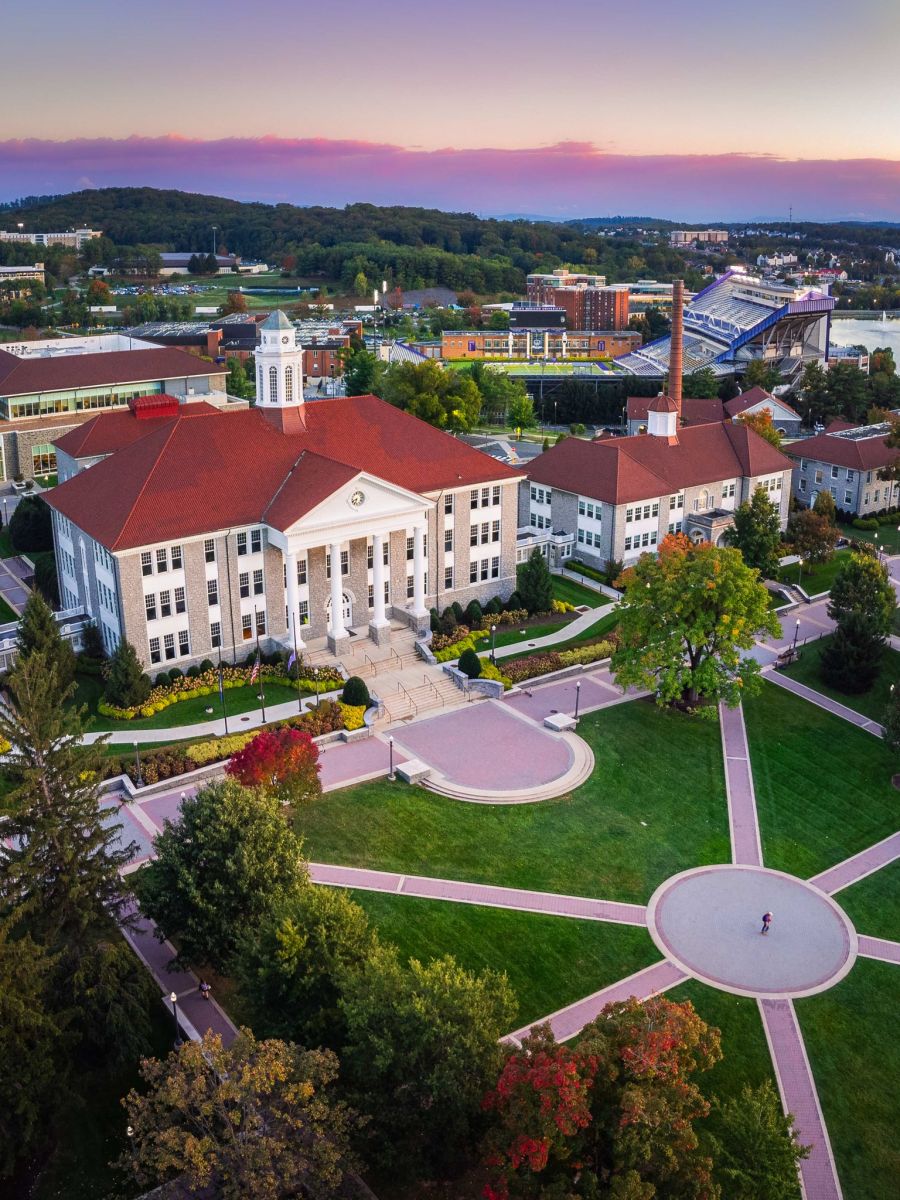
569,1021
799,1096
550,903
851,870
742,821
880,948
833,706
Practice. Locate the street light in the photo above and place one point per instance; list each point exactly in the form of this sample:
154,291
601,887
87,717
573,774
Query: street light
391,751
316,684
796,634
493,657
173,999
139,782
577,697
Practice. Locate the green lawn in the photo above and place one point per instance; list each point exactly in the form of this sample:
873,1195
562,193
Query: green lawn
550,961
888,535
823,787
7,612
593,633
7,549
851,1039
873,904
871,704
577,593
814,579
622,833
506,636
188,712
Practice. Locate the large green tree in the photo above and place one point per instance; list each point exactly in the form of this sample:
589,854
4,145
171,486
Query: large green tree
363,372
125,684
761,374
231,860
755,1149
442,397
684,619
291,964
39,634
862,603
757,533
31,525
813,536
863,585
422,1046
251,1121
701,384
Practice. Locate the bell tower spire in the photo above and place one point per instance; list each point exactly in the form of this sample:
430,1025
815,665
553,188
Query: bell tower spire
279,364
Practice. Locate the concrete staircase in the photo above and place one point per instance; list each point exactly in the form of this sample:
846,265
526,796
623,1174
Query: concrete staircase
418,692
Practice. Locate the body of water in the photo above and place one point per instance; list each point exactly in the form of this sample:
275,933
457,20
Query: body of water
870,334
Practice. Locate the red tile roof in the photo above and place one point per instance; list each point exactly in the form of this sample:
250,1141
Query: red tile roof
194,475
860,454
756,395
693,412
106,432
639,468
25,376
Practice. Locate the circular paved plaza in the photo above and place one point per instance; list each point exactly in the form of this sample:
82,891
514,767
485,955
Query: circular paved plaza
708,922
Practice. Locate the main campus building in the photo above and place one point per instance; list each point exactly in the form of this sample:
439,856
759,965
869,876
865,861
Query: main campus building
191,531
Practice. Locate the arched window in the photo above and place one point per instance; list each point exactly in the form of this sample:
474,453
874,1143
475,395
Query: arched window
273,385
288,384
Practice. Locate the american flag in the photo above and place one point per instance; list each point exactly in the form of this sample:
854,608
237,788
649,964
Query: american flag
255,671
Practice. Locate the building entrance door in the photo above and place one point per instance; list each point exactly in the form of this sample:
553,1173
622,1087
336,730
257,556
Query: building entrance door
346,610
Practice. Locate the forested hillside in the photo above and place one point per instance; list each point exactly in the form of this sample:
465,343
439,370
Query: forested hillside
412,247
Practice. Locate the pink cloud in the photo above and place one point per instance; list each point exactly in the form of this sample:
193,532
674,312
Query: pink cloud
569,178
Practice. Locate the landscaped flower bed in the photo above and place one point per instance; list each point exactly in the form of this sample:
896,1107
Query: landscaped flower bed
206,683
519,669
168,761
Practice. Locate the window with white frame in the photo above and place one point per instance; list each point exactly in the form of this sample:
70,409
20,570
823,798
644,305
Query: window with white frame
244,584
242,543
258,585
410,549
162,560
212,592
485,532
150,606
448,503
448,579
473,498
495,494
345,562
485,497
146,563
260,621
184,643
301,570
165,603
155,651
495,568
410,586
848,497
209,549
304,612
473,571
247,626
177,558
448,540
255,541
169,646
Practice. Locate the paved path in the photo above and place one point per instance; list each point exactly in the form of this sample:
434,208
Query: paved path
880,948
799,1096
538,700
746,847
569,1021
832,706
489,895
851,870
563,634
195,1015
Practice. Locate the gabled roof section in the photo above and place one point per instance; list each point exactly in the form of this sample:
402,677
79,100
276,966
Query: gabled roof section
25,376
753,397
200,473
693,411
108,432
861,453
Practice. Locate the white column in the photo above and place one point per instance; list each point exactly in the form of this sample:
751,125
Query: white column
337,629
378,611
420,566
293,601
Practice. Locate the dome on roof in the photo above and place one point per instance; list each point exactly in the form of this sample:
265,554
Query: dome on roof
662,404
276,320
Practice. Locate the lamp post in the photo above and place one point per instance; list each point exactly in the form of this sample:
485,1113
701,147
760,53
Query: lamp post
796,635
577,697
316,685
139,782
877,548
493,657
173,999
391,753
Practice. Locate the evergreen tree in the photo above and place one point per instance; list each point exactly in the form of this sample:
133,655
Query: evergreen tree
535,584
757,533
825,507
39,634
31,525
891,721
91,641
863,586
126,683
755,1148
63,854
852,659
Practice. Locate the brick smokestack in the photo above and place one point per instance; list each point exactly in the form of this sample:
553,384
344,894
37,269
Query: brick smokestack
676,354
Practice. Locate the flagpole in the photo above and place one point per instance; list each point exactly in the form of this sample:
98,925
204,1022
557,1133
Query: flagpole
262,689
222,699
296,661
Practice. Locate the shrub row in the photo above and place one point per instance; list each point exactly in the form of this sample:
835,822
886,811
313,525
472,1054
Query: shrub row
169,761
519,669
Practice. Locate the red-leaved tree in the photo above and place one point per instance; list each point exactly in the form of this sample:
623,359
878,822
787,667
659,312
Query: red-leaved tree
284,761
615,1112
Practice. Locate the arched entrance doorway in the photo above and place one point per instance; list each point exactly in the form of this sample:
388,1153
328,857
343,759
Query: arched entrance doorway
346,610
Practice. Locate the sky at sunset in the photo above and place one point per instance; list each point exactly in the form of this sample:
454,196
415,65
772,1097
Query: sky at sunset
694,110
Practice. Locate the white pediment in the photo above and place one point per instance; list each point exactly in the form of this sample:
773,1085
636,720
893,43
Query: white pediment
778,411
362,506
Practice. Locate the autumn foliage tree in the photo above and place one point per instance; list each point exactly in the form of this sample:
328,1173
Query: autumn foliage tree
612,1116
685,617
285,762
813,535
761,423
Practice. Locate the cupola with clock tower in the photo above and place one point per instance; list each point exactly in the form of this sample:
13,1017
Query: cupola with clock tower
279,364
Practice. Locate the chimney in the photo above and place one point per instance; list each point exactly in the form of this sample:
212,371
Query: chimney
676,353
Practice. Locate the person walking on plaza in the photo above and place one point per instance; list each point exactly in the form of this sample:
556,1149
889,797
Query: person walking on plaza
766,922
204,989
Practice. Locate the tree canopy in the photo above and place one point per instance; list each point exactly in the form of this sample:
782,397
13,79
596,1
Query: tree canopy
445,398
684,618
757,533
